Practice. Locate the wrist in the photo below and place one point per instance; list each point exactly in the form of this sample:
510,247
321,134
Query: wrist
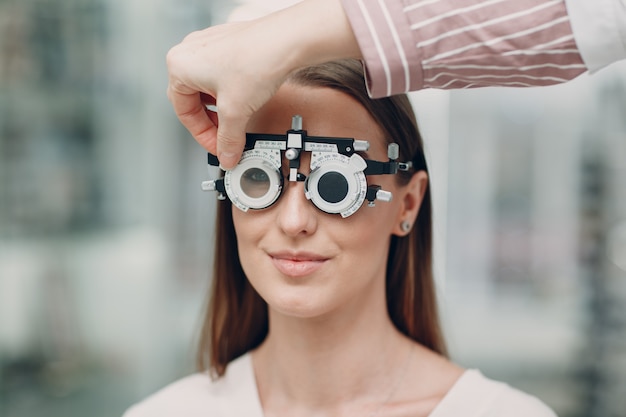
318,31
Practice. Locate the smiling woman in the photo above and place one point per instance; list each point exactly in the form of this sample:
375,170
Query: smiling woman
314,313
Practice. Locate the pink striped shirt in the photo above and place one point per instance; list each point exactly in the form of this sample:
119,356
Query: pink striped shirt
408,45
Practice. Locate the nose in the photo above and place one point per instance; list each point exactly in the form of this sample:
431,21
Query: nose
296,216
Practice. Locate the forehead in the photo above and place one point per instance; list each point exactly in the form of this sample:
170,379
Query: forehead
324,111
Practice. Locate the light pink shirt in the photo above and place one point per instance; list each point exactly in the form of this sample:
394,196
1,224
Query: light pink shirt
236,395
408,45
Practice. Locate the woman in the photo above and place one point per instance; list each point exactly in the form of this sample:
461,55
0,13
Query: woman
314,314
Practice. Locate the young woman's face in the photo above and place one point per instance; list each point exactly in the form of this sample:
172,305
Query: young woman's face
302,261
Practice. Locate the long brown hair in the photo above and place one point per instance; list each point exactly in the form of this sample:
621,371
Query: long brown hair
236,319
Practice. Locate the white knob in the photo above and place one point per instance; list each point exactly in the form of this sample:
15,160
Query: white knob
208,185
292,154
361,145
393,151
296,122
383,195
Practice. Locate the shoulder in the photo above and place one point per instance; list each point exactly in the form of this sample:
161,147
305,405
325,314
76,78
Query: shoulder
183,397
199,395
474,395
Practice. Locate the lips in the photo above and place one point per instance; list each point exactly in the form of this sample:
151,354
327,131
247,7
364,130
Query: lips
297,264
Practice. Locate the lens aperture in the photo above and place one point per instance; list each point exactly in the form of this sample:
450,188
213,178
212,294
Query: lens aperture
255,182
332,187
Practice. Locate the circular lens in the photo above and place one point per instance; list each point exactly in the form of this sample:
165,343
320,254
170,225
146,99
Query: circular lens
332,187
255,182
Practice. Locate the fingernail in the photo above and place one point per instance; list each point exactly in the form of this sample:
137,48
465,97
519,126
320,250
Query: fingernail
227,160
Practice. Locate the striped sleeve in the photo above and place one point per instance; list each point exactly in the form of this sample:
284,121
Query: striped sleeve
413,44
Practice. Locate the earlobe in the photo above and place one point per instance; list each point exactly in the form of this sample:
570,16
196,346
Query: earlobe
411,203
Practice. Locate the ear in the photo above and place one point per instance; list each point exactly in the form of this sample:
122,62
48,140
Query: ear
412,198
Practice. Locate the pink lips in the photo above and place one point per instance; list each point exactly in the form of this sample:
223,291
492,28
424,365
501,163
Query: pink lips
297,264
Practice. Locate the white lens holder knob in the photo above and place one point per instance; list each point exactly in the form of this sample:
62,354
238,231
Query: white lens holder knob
292,154
208,185
383,195
361,146
214,185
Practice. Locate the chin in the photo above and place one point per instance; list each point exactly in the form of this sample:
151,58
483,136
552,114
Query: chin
301,303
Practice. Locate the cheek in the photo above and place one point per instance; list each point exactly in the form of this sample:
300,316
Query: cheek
245,229
383,216
246,240
252,228
370,229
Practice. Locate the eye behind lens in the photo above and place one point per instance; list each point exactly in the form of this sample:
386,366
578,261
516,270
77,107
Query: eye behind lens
255,182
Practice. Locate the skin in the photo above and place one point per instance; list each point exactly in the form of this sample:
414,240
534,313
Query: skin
204,70
331,347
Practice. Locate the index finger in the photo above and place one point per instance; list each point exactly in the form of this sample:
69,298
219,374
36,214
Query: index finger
192,114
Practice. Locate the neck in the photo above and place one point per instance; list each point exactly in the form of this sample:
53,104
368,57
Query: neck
324,364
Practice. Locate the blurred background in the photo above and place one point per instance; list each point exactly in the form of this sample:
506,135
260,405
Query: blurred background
106,238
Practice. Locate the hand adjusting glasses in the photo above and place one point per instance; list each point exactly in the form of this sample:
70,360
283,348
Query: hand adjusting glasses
336,182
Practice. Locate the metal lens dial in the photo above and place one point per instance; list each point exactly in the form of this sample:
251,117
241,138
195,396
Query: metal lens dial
336,183
256,182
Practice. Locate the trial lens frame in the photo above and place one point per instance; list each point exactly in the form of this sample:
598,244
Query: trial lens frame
336,182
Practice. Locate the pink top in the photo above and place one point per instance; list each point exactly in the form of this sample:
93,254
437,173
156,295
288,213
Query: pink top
236,395
413,44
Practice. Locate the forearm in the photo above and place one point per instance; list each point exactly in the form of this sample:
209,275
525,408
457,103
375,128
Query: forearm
483,43
315,31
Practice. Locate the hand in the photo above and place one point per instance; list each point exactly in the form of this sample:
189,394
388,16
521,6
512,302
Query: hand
223,65
239,66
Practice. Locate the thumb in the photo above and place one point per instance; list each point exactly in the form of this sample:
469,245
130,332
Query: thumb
231,138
